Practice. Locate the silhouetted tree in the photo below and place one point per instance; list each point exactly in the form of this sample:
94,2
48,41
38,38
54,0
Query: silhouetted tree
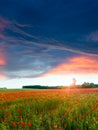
87,85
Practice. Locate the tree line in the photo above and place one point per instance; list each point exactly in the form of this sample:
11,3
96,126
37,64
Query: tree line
84,85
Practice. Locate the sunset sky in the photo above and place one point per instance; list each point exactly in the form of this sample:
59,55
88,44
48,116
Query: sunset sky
48,42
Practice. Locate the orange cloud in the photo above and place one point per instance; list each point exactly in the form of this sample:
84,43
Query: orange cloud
2,57
76,65
2,76
2,61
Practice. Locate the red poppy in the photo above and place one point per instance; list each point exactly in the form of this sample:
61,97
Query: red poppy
55,125
23,123
77,128
29,124
13,123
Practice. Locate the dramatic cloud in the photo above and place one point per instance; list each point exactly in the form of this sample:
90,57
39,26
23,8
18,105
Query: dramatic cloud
75,65
55,36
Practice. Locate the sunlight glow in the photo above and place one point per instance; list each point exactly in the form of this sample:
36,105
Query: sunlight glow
58,80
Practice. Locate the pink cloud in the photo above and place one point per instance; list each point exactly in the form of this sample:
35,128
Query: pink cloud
2,57
2,76
77,65
2,63
3,23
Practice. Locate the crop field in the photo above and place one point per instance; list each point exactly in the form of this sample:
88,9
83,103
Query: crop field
61,109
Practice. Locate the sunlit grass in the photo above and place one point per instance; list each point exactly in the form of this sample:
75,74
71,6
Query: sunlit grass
49,110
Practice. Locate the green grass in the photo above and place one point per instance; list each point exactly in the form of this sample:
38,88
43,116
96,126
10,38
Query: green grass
51,112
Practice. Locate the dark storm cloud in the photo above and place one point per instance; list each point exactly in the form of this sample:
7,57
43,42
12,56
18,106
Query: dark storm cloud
37,34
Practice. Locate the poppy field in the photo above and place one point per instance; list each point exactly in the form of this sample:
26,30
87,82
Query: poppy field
61,109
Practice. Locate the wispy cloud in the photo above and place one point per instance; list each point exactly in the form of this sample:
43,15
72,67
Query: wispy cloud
22,25
3,23
12,26
49,44
93,36
14,33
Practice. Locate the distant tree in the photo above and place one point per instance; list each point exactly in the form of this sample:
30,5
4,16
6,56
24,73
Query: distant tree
35,87
92,85
87,85
5,88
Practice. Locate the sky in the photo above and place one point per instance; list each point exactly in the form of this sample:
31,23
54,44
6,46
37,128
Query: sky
48,42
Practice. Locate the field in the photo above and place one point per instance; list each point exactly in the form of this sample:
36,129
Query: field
63,109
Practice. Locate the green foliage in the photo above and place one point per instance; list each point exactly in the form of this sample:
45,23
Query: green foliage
87,85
